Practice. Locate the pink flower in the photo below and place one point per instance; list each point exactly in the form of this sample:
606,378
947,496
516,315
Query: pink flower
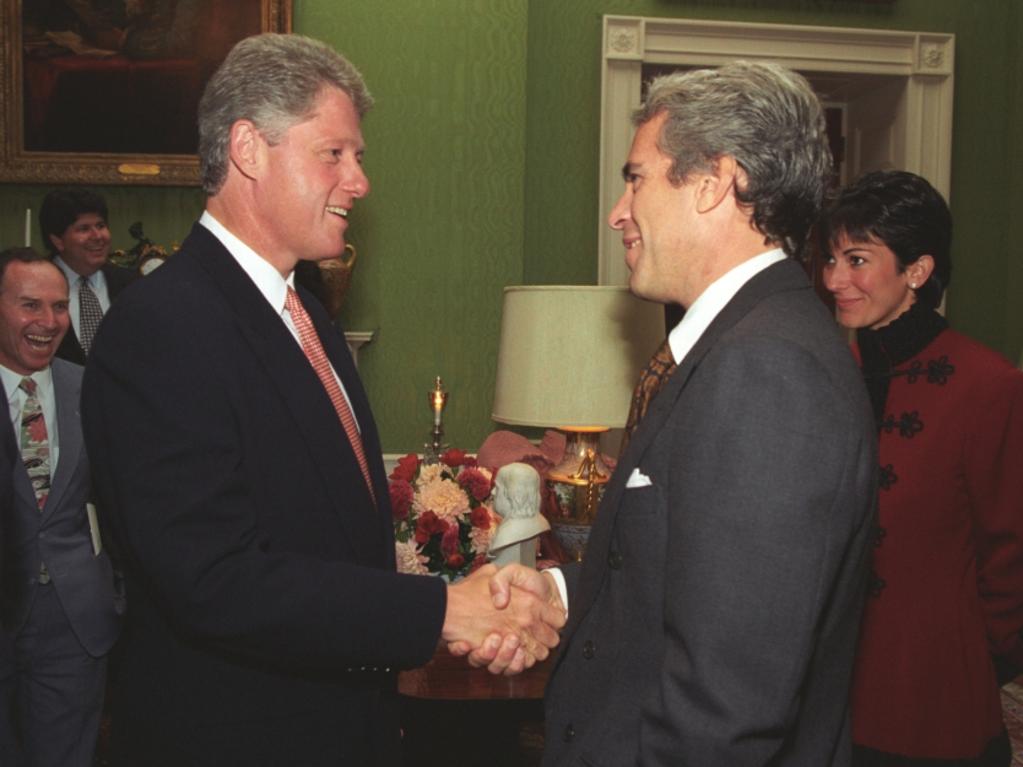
475,482
443,497
401,498
406,468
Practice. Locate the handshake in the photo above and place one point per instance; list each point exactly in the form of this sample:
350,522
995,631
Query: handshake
505,619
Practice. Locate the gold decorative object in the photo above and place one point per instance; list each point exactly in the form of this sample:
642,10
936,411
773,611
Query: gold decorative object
438,399
337,278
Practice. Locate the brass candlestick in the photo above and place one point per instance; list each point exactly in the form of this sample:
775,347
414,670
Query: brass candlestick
437,398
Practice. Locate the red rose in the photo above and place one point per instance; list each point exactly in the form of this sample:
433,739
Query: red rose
401,498
475,483
455,561
453,457
480,517
451,541
406,468
428,525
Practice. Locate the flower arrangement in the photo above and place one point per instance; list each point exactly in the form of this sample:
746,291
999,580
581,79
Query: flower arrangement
443,515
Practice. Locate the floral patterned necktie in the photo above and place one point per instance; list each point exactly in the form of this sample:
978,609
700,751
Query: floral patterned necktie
318,359
651,380
35,442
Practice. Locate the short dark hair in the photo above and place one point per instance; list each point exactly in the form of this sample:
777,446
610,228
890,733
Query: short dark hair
23,254
902,211
62,207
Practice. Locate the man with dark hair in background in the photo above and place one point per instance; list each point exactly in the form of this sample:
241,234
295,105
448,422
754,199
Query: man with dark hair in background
75,232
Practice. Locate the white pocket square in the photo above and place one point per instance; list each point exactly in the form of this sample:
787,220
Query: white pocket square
638,479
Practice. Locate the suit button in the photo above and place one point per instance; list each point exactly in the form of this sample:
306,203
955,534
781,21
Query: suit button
589,649
614,560
569,732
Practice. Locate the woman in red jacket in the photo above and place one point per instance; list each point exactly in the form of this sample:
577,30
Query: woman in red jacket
946,595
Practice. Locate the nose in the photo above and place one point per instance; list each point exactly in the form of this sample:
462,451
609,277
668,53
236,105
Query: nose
356,183
835,275
622,210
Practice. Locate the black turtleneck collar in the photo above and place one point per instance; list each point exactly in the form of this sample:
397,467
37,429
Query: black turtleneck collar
882,350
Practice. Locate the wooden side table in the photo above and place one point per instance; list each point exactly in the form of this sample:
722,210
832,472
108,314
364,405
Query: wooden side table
459,716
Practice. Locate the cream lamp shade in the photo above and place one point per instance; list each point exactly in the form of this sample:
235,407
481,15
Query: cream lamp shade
569,356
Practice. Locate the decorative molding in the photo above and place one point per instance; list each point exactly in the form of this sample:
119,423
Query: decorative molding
920,135
356,339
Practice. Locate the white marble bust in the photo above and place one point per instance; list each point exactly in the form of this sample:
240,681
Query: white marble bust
517,500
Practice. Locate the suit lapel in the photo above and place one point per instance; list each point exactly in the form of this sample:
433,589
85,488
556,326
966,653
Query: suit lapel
784,275
67,390
316,421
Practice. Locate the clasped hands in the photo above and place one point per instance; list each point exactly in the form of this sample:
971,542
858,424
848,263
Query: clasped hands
505,619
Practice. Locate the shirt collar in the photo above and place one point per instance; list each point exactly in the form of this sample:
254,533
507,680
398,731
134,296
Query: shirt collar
12,382
266,277
73,277
712,300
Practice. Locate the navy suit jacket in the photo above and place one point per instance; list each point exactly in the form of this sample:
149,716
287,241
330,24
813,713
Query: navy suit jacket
118,278
261,576
714,618
59,534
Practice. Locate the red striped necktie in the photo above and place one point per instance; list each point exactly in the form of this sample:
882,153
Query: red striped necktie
318,359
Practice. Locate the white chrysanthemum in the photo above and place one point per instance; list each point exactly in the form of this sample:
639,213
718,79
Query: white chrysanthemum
429,473
409,559
443,497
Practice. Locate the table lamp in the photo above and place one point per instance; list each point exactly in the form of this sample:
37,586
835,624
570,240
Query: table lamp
569,357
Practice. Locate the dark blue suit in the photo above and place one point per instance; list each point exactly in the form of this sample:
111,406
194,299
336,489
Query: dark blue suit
260,573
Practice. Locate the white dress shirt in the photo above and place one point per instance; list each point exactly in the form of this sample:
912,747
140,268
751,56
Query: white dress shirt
16,397
713,299
97,281
268,280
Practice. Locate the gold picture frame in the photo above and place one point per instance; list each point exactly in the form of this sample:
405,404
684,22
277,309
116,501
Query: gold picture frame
114,108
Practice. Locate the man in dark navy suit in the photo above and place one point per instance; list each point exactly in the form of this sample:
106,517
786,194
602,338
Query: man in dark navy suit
237,455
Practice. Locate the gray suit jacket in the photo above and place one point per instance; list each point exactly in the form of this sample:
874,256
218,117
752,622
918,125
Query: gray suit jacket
714,618
59,535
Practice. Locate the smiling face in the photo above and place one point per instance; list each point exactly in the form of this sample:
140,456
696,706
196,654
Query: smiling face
659,223
85,245
308,182
870,289
33,315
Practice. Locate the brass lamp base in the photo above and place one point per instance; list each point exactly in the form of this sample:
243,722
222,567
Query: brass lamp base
582,467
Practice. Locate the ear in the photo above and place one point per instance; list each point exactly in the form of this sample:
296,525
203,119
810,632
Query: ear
57,242
247,148
717,183
920,271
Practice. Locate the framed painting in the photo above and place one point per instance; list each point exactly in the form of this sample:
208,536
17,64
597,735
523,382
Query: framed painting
107,91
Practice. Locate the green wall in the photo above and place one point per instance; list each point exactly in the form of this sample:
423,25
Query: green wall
482,153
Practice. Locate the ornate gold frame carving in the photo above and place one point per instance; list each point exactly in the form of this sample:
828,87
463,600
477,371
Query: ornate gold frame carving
20,166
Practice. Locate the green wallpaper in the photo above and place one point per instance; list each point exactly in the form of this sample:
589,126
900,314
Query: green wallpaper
482,154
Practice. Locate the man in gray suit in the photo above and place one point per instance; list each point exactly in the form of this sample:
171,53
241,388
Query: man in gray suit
60,615
714,618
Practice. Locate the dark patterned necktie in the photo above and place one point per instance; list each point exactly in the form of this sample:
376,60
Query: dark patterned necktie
89,314
651,380
35,442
